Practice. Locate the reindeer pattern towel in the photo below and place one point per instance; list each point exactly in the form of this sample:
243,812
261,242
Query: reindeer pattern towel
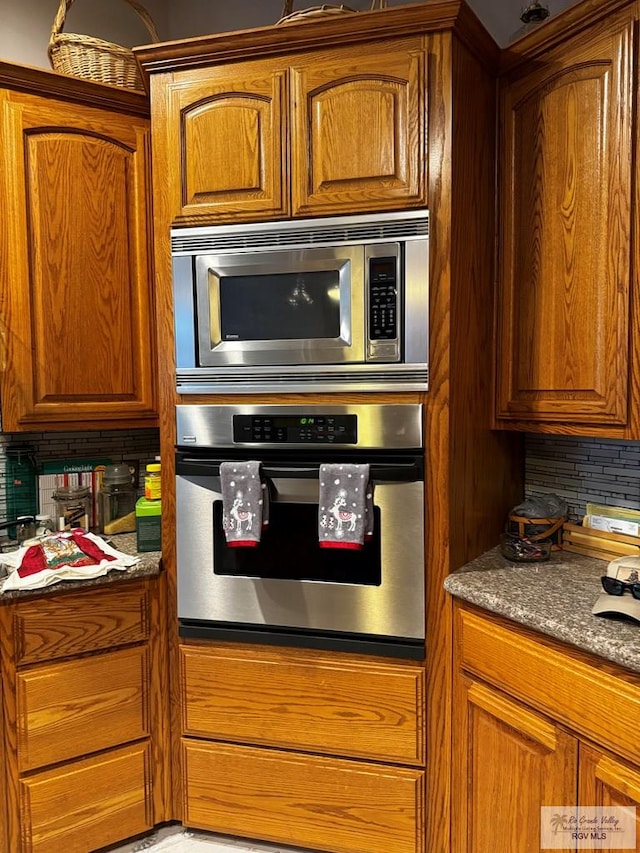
345,506
245,505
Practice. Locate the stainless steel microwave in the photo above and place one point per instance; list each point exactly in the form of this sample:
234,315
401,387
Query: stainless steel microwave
337,304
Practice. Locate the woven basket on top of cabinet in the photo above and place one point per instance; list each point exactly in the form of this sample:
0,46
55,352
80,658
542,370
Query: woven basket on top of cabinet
289,16
94,58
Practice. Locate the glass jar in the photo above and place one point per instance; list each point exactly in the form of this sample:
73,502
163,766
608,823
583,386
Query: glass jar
25,528
73,504
153,482
117,501
44,525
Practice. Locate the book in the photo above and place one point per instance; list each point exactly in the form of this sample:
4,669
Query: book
70,473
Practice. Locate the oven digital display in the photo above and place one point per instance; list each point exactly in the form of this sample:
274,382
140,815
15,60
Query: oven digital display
296,429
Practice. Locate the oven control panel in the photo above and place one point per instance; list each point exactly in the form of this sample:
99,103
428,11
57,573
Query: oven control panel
295,429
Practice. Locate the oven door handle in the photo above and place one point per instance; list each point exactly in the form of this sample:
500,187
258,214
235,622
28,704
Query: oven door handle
379,472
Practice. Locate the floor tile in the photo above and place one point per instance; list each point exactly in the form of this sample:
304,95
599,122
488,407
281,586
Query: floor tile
177,839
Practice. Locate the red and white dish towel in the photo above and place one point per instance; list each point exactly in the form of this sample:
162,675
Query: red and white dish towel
73,555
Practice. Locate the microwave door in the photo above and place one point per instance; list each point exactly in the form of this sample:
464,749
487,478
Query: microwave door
282,308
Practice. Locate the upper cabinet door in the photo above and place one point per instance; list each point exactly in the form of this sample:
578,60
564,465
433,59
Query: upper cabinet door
564,308
226,143
77,340
358,129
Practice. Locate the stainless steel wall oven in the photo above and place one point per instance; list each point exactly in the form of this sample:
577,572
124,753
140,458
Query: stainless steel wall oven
289,590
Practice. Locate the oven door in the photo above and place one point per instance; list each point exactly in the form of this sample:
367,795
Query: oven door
289,590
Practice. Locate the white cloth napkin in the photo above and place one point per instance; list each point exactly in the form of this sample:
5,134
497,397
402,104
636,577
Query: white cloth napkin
48,576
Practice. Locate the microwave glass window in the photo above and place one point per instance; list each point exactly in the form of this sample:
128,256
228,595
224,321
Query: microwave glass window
289,550
295,306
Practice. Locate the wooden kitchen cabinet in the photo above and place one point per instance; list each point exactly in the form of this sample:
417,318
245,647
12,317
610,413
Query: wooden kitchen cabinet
333,131
509,762
84,678
435,67
606,781
76,303
534,724
566,321
312,724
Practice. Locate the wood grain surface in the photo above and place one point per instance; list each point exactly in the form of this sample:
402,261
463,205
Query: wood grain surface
508,764
77,299
92,803
572,688
328,804
565,194
58,626
314,701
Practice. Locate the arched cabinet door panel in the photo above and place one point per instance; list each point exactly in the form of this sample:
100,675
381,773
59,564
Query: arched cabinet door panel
77,305
225,130
564,312
358,129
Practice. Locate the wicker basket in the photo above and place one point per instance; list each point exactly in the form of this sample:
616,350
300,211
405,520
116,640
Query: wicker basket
95,59
290,17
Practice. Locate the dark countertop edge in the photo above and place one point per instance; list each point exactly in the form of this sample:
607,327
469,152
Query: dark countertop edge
150,565
553,599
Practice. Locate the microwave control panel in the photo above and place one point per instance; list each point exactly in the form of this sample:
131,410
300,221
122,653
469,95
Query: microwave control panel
296,429
383,299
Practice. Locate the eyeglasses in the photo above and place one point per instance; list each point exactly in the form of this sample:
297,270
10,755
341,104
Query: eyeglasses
615,587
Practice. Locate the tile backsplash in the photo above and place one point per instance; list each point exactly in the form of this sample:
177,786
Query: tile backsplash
118,445
583,470
580,470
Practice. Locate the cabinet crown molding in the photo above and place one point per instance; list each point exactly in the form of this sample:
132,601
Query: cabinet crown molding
52,84
323,33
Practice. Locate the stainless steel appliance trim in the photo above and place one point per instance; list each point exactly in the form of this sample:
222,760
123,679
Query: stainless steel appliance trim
305,378
371,228
348,346
389,426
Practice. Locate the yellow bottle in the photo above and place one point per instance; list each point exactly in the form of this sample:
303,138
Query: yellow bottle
153,482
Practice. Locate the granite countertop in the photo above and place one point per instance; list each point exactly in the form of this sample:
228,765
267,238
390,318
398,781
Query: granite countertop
554,598
148,566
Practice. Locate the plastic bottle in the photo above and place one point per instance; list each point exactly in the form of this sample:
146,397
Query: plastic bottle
153,482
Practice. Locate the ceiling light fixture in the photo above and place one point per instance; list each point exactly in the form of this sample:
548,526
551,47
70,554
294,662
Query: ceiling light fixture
535,12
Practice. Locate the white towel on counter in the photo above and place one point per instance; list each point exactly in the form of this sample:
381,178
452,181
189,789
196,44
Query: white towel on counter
345,506
245,503
69,555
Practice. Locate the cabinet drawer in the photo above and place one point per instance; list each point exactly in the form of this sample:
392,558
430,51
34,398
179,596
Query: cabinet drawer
64,625
292,698
586,697
87,804
322,803
69,709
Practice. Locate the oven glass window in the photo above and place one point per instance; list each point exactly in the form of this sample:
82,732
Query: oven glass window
289,550
282,306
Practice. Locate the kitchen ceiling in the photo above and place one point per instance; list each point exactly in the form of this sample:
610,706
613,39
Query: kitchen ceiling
197,17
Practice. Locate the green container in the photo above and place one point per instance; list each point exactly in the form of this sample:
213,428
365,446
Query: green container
21,482
148,525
